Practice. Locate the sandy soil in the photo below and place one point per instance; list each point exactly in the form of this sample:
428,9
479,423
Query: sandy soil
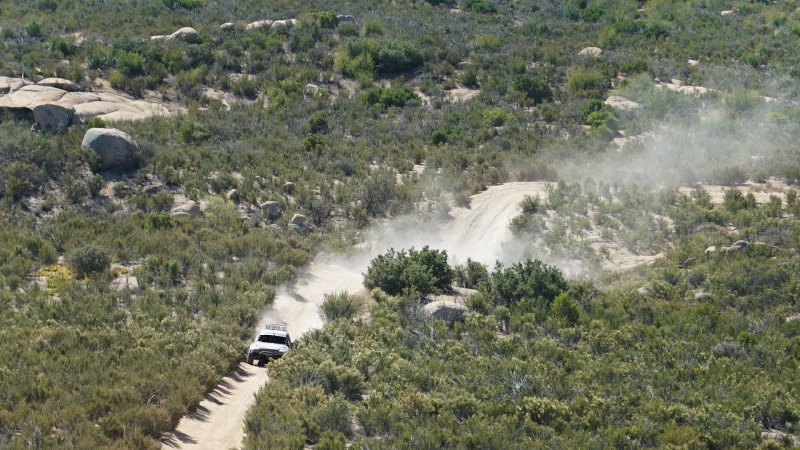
761,191
218,423
477,232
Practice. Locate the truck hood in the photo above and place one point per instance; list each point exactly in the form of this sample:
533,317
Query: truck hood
267,346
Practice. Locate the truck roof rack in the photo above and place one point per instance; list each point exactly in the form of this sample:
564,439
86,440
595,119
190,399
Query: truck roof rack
276,327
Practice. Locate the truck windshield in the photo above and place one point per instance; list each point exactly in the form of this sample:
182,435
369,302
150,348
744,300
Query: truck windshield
269,339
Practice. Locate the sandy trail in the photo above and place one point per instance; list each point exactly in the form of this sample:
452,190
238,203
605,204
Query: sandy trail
478,232
474,232
218,423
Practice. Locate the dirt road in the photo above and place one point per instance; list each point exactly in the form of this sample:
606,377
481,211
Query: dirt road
218,423
474,232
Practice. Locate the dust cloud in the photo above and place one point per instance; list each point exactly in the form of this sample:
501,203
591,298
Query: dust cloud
709,146
480,232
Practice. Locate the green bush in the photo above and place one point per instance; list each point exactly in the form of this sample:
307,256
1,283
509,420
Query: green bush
586,82
479,6
530,280
365,57
531,204
332,440
386,97
334,416
88,259
130,64
185,4
496,117
245,87
423,271
603,121
470,275
338,306
535,88
565,310
324,19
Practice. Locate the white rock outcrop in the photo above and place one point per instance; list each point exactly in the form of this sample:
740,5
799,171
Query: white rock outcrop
186,34
446,310
107,106
114,147
283,23
60,83
593,52
258,24
190,208
52,117
622,103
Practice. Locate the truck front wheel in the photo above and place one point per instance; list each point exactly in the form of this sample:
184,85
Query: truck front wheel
250,359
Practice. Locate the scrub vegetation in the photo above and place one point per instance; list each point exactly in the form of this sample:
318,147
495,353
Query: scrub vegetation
117,314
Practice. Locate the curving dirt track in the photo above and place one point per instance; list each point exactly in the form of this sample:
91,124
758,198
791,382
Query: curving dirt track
474,232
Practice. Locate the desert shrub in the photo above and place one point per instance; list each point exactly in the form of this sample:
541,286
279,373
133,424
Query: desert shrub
378,193
245,87
734,200
586,82
190,82
338,306
496,117
332,440
729,175
365,57
531,204
535,88
129,63
565,310
423,271
479,6
531,280
34,29
347,29
603,121
635,66
470,275
649,28
185,4
334,416
469,78
386,97
88,259
20,179
741,101
324,19
728,349
318,123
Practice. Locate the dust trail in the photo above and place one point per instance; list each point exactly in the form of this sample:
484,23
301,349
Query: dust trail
478,232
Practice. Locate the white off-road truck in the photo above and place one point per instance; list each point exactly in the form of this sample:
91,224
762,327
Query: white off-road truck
271,343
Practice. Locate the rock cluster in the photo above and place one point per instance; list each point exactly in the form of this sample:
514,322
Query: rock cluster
22,98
